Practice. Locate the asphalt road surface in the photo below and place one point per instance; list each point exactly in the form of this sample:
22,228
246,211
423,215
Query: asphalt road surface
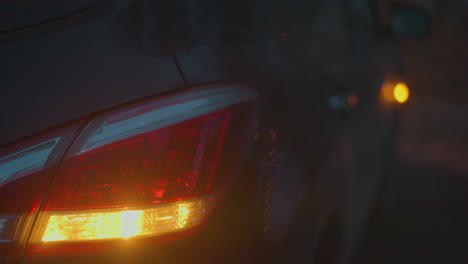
422,219
422,216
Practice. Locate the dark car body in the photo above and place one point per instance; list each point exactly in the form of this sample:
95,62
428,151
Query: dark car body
69,62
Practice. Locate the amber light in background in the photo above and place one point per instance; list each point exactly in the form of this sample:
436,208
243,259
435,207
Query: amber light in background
124,224
395,92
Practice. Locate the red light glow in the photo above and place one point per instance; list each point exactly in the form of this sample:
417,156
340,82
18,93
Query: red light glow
169,164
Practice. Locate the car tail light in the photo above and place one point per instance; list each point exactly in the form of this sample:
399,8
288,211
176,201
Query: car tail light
151,171
26,169
394,92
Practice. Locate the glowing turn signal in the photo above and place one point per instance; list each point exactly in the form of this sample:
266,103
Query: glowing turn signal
391,92
124,224
401,93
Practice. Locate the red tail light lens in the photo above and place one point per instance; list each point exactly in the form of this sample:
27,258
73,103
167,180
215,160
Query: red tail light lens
169,164
147,170
26,169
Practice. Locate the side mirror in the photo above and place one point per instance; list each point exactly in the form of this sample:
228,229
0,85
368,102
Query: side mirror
408,21
402,19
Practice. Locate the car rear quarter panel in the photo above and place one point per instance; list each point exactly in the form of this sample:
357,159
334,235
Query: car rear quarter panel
48,79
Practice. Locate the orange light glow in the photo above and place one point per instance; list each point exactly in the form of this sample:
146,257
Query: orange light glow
401,93
392,92
125,224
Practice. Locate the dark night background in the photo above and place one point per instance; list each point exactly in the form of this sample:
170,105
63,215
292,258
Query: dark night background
312,49
298,54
